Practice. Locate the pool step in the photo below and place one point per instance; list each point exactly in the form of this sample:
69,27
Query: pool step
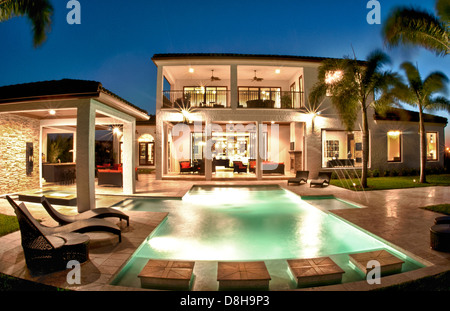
164,274
388,263
315,271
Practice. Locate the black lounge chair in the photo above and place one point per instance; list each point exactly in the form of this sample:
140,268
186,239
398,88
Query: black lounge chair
47,253
79,226
322,179
102,212
299,177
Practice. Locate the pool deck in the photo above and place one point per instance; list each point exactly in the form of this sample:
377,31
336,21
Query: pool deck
393,215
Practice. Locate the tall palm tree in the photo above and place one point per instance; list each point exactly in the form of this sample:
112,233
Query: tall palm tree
354,91
39,12
419,27
422,94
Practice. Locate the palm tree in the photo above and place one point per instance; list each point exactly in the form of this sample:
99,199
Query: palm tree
39,12
421,94
415,26
353,91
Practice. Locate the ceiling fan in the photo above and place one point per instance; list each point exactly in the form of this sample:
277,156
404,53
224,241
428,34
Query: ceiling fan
256,79
214,78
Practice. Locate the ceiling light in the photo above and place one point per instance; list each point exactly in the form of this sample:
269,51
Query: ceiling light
277,71
52,112
191,70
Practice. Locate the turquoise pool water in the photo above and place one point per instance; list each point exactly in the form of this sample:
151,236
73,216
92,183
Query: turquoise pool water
244,224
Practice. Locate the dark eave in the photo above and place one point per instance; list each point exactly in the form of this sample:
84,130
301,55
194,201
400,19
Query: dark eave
396,114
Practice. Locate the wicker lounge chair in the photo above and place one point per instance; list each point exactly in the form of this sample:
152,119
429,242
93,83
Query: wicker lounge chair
299,177
322,179
79,226
102,212
46,253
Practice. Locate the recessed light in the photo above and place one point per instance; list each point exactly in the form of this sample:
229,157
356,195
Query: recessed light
277,71
52,112
191,70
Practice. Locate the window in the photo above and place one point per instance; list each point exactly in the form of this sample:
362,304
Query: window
252,97
432,152
146,150
394,141
209,96
332,77
341,148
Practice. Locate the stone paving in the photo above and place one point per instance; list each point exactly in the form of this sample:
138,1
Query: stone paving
393,215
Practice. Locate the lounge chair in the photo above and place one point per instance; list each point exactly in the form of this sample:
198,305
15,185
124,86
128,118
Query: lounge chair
322,179
299,177
46,253
102,212
80,226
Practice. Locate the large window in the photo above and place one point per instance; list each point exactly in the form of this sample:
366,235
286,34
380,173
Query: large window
432,152
206,96
341,148
394,146
257,97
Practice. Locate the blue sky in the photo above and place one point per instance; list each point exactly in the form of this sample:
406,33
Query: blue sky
116,39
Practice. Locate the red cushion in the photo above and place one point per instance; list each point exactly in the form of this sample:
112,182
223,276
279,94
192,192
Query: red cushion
252,164
185,164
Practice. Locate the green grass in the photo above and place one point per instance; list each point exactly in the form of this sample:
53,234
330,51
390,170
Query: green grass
398,182
439,208
8,224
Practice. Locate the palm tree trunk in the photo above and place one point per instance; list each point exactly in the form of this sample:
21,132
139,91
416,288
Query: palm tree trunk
365,147
423,147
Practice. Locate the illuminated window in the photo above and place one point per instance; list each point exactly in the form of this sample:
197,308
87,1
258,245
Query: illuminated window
394,147
432,146
332,77
341,149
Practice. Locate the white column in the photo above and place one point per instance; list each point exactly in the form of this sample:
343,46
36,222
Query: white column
233,86
85,165
259,145
129,154
208,154
159,139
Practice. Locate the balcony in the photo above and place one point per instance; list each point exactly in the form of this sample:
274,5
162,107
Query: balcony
219,97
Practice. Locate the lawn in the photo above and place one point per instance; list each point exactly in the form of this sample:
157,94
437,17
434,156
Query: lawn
398,182
8,224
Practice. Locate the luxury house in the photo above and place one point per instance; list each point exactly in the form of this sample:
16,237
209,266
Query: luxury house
219,113
217,116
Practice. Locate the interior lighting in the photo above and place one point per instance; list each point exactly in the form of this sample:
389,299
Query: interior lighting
52,112
333,76
191,70
277,71
394,133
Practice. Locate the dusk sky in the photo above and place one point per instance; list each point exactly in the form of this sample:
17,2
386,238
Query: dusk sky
116,39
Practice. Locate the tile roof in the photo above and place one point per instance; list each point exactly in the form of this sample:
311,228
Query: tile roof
396,114
55,89
235,55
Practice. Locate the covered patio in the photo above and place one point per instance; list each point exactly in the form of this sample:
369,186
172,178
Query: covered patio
76,107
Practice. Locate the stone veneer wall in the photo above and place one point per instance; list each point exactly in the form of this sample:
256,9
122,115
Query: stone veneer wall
15,132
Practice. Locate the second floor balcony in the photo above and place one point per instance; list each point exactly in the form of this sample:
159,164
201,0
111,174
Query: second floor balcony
219,97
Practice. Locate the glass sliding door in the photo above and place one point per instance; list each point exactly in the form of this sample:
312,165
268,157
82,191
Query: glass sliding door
341,149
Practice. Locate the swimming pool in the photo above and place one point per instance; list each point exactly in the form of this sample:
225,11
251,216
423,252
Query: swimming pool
245,224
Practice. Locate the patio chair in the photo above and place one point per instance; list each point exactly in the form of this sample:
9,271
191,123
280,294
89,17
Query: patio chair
102,212
79,226
185,167
46,253
299,177
322,179
238,167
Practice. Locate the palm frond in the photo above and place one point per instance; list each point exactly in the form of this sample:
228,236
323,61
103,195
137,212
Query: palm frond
435,82
414,26
39,12
439,103
443,10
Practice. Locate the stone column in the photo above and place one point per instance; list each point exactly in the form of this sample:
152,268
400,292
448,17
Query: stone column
233,87
258,151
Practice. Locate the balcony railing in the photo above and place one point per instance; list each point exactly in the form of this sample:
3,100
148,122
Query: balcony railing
196,98
270,99
221,99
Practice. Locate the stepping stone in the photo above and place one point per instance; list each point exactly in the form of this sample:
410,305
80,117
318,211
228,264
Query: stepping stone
163,274
243,276
388,263
315,271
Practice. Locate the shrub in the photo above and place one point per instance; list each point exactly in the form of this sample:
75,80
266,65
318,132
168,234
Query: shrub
376,173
